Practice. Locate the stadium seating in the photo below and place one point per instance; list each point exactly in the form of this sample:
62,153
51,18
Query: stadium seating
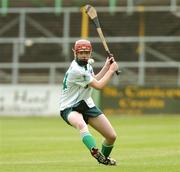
119,24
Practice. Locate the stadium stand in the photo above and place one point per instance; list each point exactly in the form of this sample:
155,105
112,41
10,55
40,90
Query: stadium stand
51,26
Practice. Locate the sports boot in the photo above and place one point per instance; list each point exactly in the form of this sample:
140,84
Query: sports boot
100,157
110,161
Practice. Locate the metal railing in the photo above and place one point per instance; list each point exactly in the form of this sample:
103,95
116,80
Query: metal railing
20,42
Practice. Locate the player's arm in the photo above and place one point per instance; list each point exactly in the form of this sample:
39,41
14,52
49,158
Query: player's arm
104,69
99,84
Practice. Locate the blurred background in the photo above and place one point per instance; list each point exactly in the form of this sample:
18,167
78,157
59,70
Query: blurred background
36,40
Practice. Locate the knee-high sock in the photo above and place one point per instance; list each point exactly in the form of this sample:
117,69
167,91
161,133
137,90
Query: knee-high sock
106,149
87,138
89,141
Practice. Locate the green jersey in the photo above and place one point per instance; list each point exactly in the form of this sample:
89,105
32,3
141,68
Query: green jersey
75,86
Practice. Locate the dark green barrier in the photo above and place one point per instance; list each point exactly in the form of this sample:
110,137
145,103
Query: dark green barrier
140,100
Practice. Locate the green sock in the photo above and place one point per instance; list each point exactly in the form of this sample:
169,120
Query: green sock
88,140
106,149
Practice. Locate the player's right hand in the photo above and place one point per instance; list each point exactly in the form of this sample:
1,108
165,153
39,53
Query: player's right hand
108,62
114,66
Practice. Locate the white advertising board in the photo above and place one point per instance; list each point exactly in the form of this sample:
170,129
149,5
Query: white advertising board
29,100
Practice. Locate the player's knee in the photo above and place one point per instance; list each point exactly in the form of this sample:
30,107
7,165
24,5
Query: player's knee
81,125
111,138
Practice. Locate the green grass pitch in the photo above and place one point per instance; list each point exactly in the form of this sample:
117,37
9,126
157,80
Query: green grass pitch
145,144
